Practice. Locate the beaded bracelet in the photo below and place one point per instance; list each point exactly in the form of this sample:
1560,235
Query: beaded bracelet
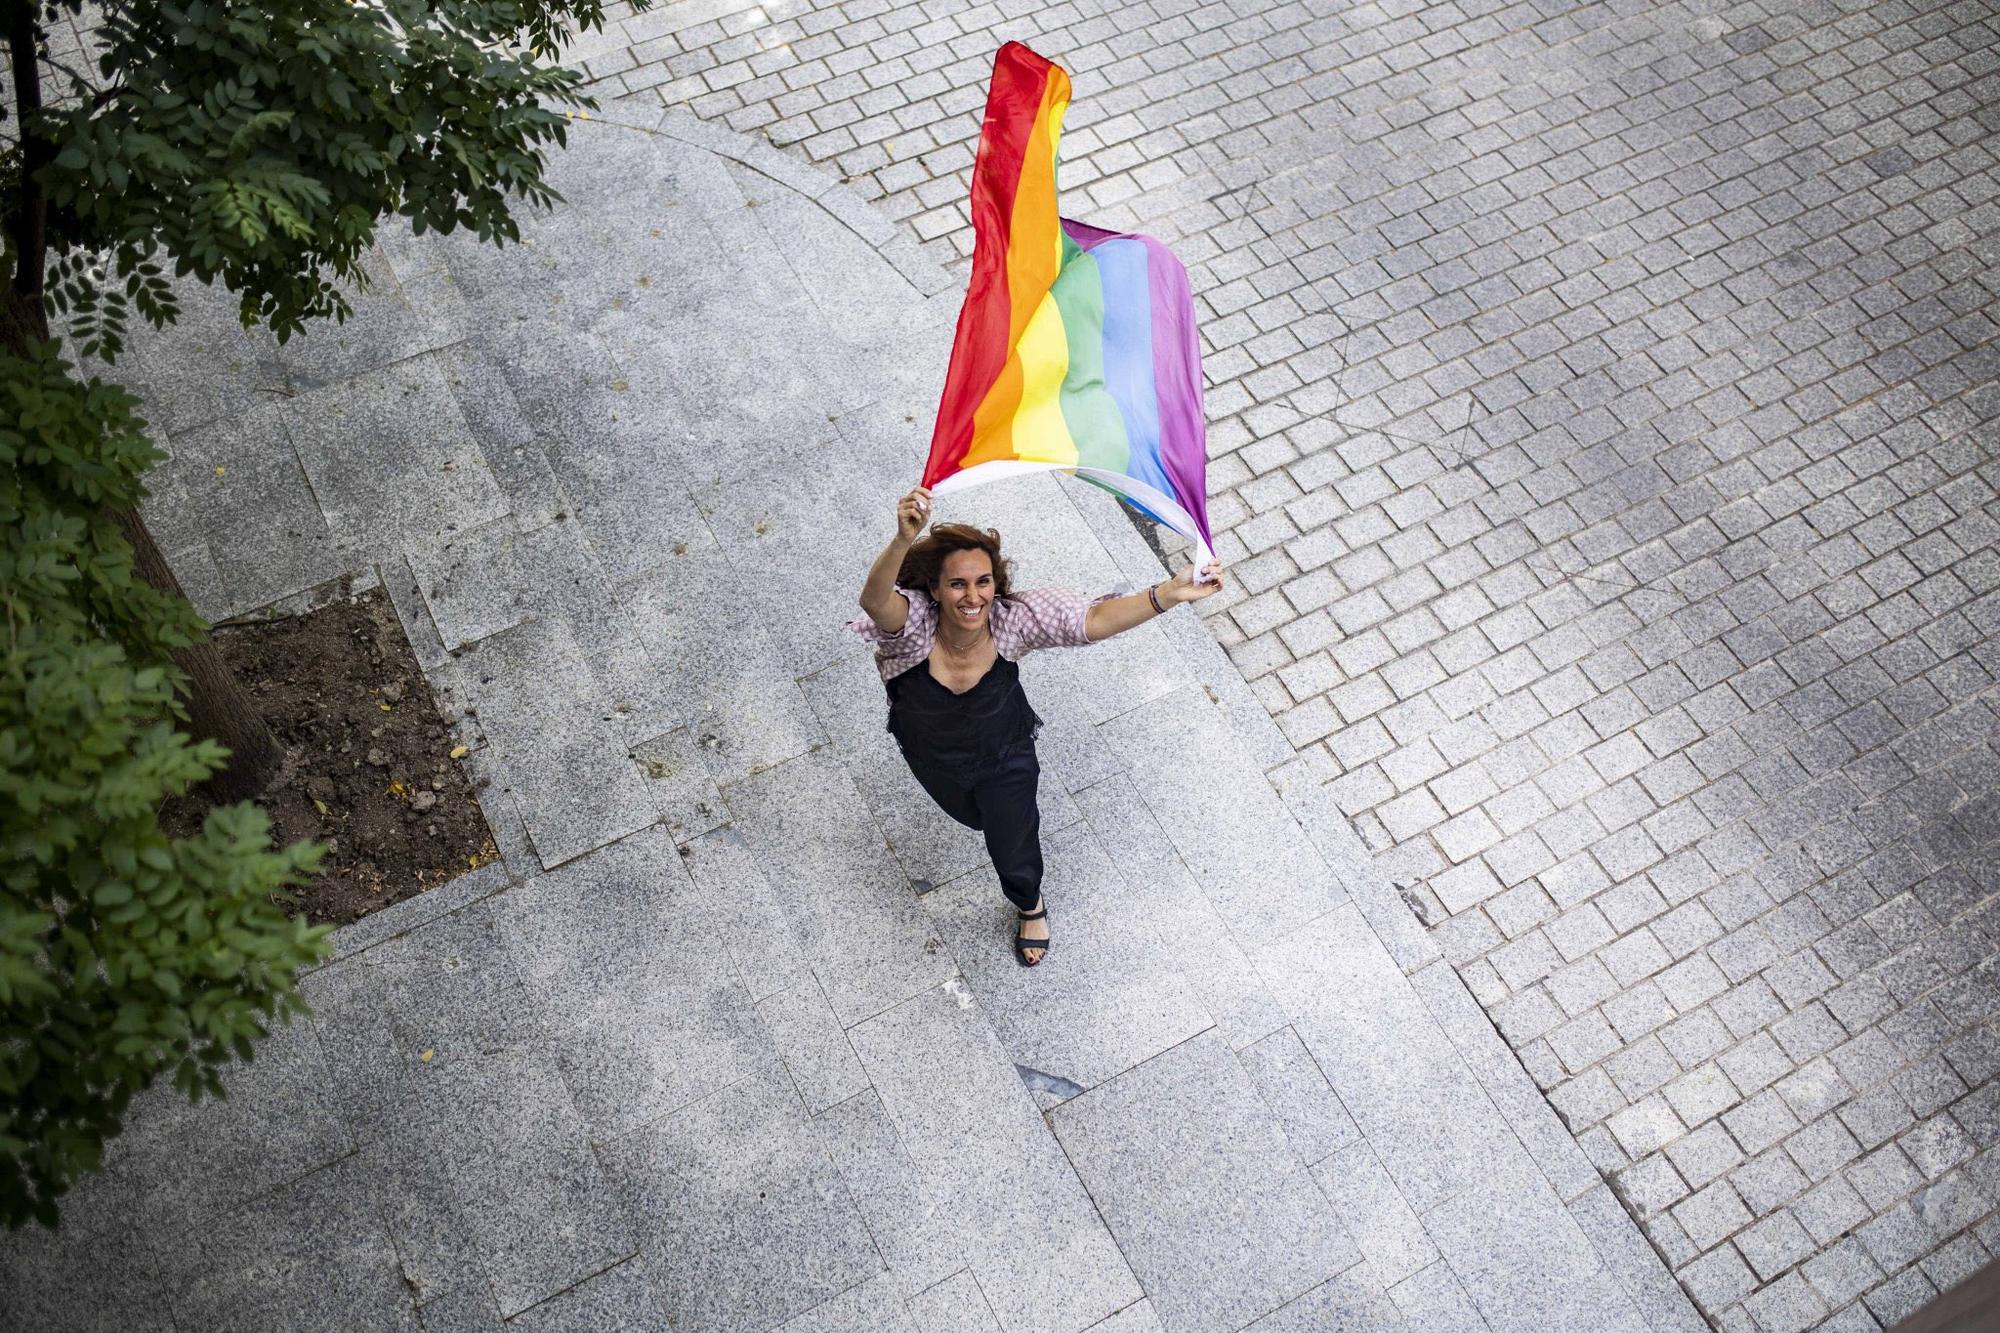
1154,597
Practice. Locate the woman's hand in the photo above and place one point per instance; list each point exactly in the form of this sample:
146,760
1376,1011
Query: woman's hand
912,512
1185,587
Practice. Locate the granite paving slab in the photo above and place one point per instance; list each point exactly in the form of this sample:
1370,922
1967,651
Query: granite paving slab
538,1206
1113,999
678,780
393,1019
1221,817
1186,922
619,1297
390,456
917,1233
955,1305
813,1046
1413,1099
745,912
873,1307
574,786
418,1203
1341,1304
719,668
746,1222
644,1016
1394,1244
236,484
1038,1247
1198,1184
773,523
92,1281
186,1163
516,453
394,320
1293,1086
309,1254
482,580
853,912
1433,1301
205,368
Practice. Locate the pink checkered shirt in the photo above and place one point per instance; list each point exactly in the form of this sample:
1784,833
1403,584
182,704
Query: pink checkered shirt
1021,621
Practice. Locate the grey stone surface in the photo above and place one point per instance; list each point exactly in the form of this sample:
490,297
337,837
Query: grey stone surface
678,779
1197,1182
744,1218
872,1306
1415,1101
1341,1304
390,457
1208,955
1113,999
83,1279
403,917
573,786
1137,1317
234,485
539,1210
645,1015
1294,1087
481,580
742,907
1021,1218
812,1045
310,1254
1434,1302
184,1163
861,928
1393,1242
1254,864
619,1297
955,1305
746,713
915,1229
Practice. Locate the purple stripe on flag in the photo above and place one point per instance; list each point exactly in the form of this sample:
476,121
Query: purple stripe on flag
1177,382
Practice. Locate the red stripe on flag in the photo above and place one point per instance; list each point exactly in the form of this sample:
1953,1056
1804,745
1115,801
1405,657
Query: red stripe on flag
980,347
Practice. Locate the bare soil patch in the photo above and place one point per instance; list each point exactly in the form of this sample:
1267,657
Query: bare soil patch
370,771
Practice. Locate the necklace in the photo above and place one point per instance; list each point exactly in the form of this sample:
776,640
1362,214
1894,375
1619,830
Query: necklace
960,649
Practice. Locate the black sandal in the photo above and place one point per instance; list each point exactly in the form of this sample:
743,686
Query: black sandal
1021,945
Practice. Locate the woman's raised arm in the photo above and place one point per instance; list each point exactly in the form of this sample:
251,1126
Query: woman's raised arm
879,598
1121,613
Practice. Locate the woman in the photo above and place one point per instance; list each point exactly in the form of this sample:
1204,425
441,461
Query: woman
963,723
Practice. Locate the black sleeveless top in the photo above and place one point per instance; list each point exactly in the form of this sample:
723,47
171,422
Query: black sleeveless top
964,735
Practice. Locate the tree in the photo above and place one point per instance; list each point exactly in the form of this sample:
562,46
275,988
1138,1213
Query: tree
257,146
123,954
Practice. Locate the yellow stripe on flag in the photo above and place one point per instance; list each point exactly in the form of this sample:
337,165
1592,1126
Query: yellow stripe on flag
1034,257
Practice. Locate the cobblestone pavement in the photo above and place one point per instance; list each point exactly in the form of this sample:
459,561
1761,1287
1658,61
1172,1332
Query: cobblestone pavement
1604,403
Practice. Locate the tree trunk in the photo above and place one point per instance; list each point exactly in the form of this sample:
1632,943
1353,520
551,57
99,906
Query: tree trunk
218,709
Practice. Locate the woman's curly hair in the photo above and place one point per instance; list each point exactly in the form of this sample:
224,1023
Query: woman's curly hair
925,562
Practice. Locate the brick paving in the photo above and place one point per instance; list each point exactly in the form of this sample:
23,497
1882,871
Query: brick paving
1603,405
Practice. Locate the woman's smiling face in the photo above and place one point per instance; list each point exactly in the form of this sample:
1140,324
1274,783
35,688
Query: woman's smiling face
965,588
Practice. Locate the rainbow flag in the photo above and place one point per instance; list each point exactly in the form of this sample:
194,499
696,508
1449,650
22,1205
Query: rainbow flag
1076,347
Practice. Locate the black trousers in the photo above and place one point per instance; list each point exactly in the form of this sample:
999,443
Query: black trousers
1000,804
